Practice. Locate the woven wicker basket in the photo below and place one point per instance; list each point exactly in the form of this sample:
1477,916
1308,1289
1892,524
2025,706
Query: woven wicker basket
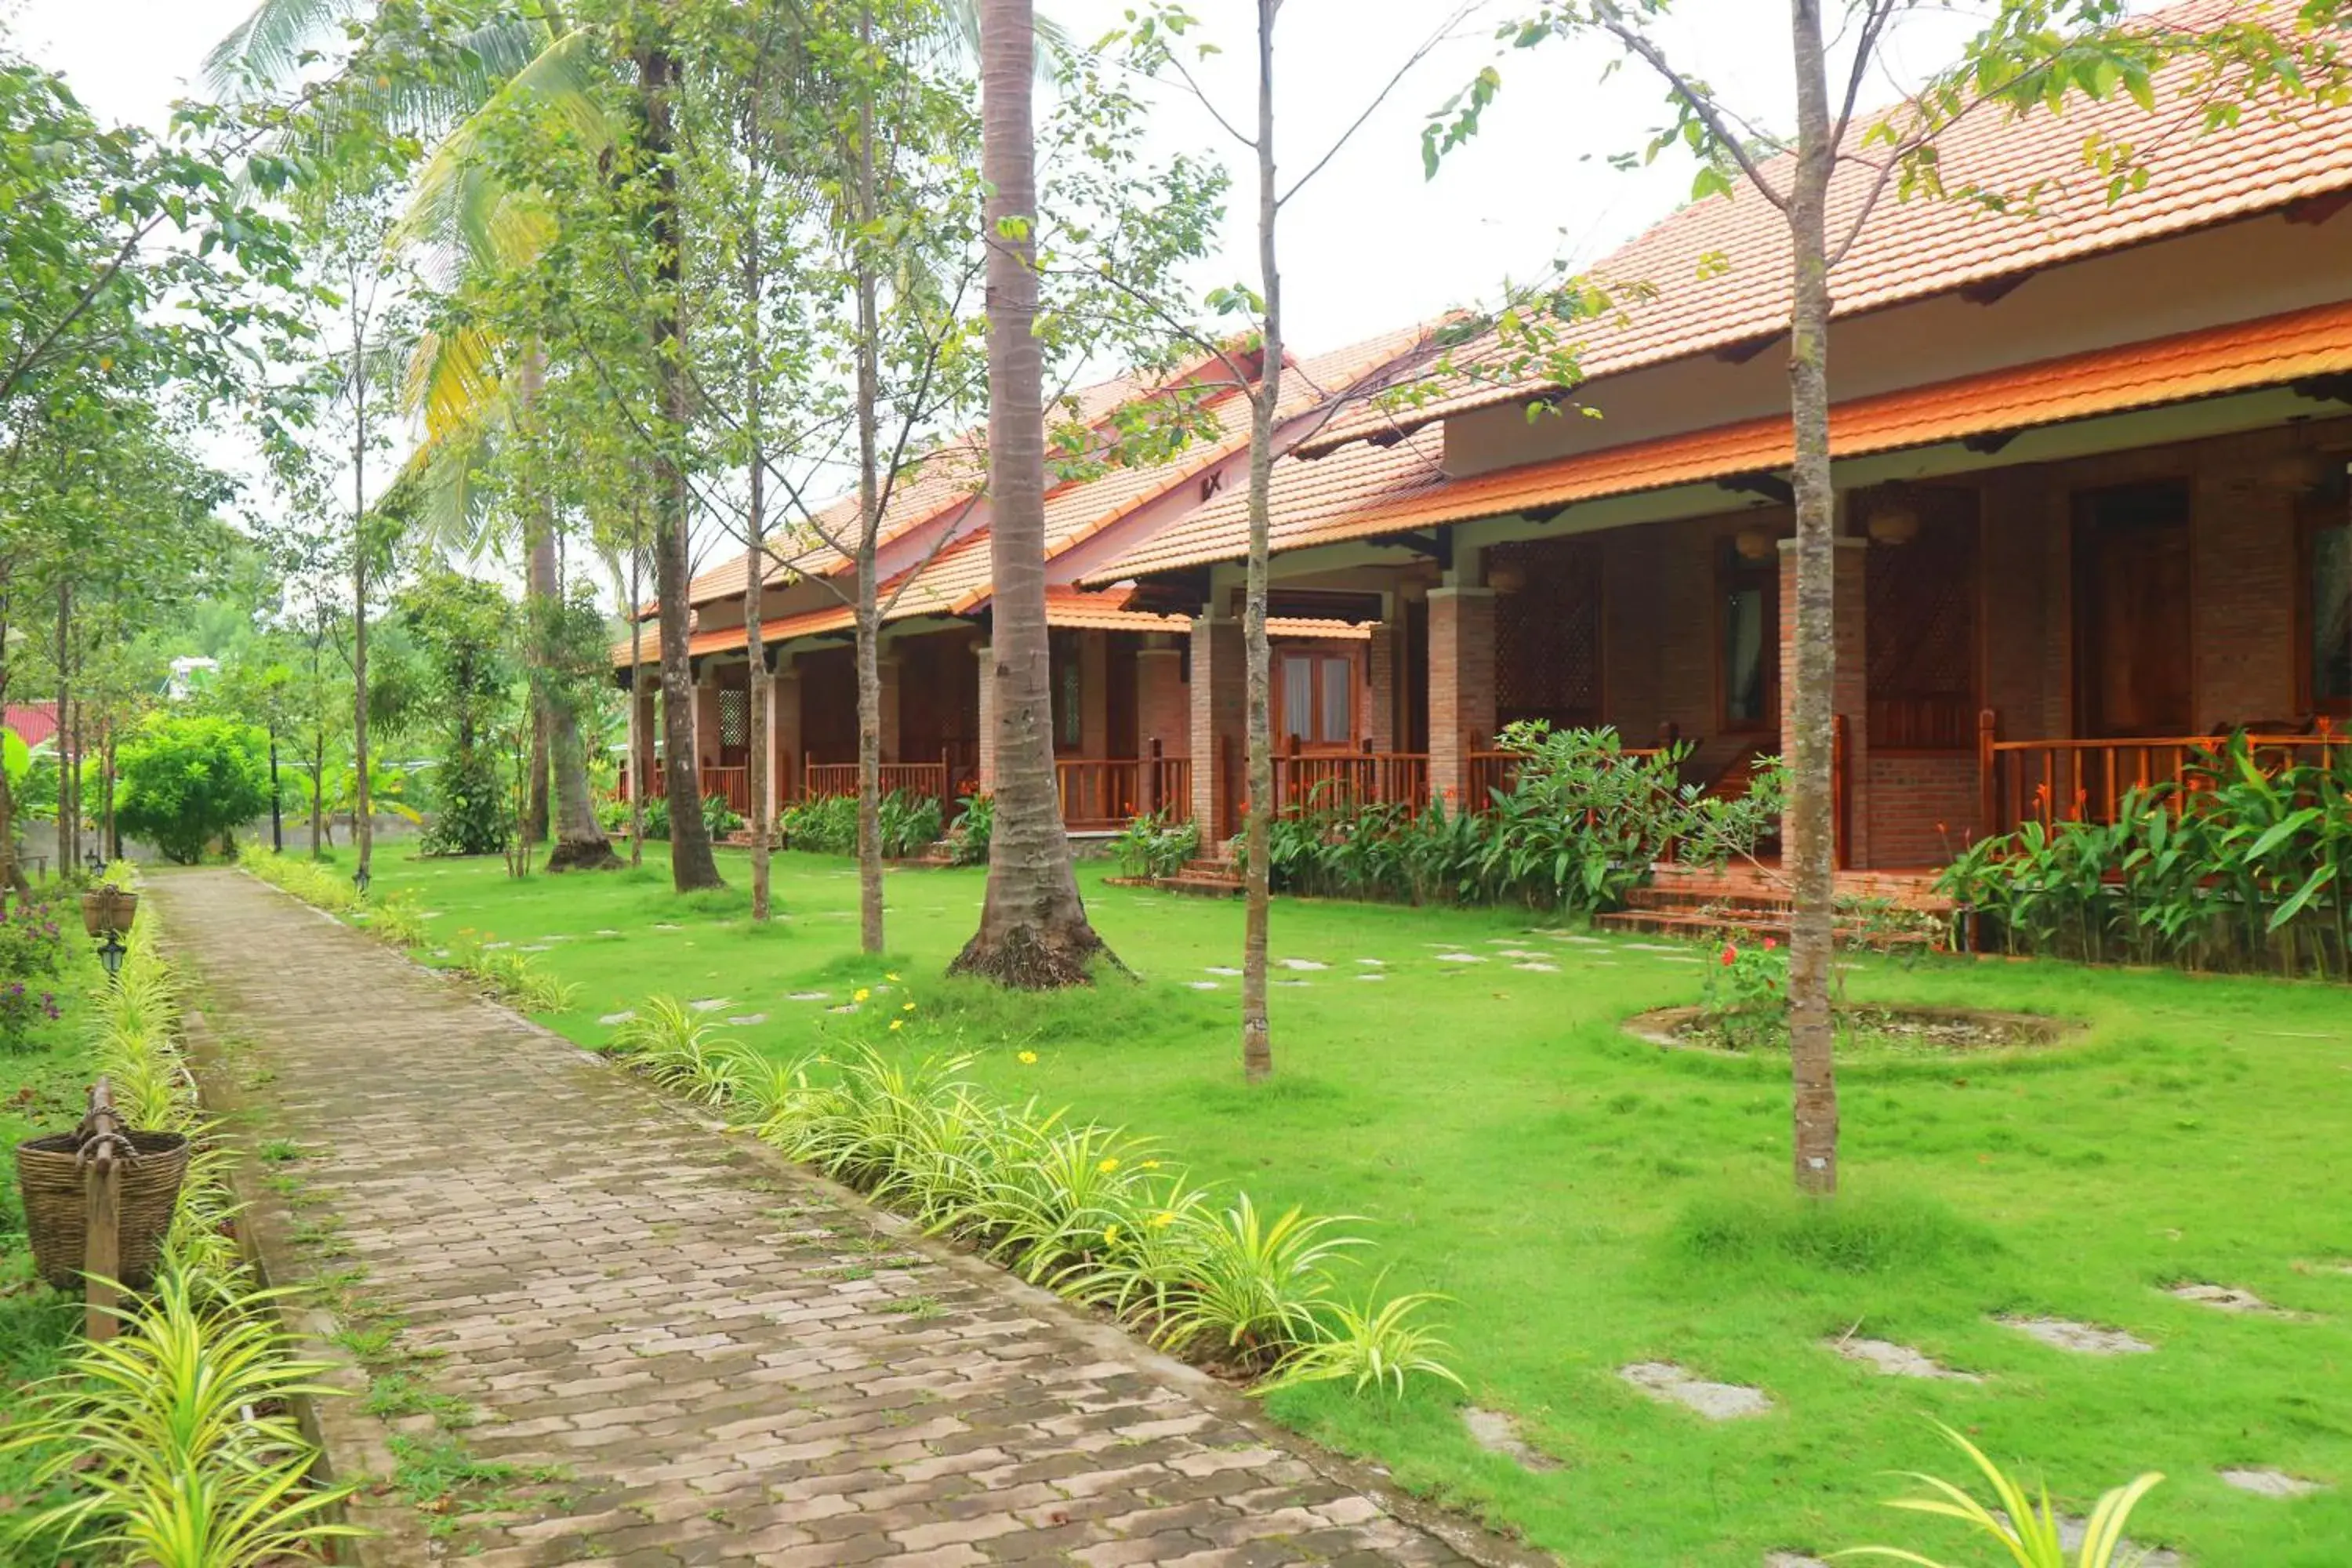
49,1173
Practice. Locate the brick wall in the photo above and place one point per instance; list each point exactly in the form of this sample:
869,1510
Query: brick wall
784,733
1910,793
888,667
1851,700
1379,704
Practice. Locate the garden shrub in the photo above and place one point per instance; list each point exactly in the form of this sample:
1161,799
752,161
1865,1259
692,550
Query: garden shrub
1746,994
2241,867
719,820
968,840
186,782
1153,847
1579,829
657,817
909,824
32,949
473,814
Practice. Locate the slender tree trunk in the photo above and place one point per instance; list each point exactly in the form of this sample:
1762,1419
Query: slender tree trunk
579,842
691,864
108,844
755,574
277,802
1811,831
1257,1043
14,872
638,773
362,807
65,731
1034,931
869,533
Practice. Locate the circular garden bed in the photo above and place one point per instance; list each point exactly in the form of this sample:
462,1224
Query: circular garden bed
1872,1029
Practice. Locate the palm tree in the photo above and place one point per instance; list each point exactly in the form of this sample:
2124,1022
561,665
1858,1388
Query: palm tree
1033,931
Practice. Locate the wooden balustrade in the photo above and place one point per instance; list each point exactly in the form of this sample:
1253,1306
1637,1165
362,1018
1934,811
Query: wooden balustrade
2068,780
731,785
1097,792
828,781
1348,781
1171,788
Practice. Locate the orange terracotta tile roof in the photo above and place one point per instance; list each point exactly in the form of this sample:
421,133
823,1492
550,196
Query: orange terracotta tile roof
1362,492
1910,249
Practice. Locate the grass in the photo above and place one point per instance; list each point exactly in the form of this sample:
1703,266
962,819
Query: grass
1588,1201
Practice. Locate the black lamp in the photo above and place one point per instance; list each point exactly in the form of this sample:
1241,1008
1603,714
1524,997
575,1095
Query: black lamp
95,861
110,954
360,878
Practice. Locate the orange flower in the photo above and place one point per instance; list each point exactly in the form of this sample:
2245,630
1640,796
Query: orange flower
1730,955
1770,943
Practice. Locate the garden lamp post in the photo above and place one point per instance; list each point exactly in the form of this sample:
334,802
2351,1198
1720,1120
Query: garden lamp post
95,861
359,880
110,954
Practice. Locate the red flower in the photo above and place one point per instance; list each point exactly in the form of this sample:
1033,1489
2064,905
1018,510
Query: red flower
1730,955
1769,944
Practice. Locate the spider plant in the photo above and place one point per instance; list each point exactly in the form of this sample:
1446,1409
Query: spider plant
1375,1345
1258,1282
2025,1527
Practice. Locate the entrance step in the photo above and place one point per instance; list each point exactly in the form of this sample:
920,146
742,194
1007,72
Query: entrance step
1714,925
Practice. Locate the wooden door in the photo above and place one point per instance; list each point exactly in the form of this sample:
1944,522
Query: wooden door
1315,701
2132,670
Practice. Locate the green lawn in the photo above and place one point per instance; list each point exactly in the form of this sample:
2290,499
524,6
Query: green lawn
1589,1202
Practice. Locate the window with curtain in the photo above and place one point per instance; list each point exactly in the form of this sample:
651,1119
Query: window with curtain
2328,548
1750,629
1317,693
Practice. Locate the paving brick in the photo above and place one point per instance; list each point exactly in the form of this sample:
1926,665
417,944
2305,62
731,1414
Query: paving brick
618,1293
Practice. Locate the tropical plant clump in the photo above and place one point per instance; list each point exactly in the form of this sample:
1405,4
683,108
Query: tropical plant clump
1746,1003
171,1442
1087,1211
1579,828
1153,846
2239,866
968,839
909,824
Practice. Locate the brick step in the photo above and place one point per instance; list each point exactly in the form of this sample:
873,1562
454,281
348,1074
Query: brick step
1710,928
1202,887
1214,866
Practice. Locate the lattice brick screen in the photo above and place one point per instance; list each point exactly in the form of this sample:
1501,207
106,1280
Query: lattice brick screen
1547,631
734,717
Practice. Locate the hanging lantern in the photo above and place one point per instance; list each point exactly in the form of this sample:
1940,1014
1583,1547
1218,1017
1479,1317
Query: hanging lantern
1755,543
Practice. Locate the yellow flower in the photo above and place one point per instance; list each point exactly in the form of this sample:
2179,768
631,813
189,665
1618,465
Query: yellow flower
1151,1164
896,1022
1109,1165
1027,1058
1111,1233
1162,1220
908,1008
888,976
860,994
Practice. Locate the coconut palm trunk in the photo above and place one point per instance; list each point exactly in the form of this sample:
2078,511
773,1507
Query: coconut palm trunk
1034,931
1811,827
692,865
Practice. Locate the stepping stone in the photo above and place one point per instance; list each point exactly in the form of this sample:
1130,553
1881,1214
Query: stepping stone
618,1017
1202,984
1372,977
535,947
665,925
1459,958
1581,941
1303,964
708,1004
428,914
1792,1560
1220,969
1293,983
1655,946
845,1007
2227,1299
808,997
1502,942
496,946
2270,1483
558,936
2083,1339
1662,1380
747,1019
1677,958
1373,963
440,952
1534,966
1895,1361
606,930
1499,1433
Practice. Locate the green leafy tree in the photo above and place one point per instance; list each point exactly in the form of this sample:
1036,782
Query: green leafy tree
465,632
189,782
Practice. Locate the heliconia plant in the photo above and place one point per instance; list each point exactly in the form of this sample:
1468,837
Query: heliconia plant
2239,866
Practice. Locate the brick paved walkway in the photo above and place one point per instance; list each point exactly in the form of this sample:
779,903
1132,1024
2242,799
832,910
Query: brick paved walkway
732,1362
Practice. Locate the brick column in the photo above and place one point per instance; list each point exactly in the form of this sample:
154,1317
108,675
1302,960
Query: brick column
1851,698
986,655
887,716
1094,694
1379,683
1161,718
1461,686
784,760
1219,697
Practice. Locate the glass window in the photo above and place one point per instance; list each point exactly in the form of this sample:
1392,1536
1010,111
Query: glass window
2331,618
1747,689
1338,693
1299,699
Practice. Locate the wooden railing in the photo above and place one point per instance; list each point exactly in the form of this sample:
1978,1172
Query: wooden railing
1171,781
828,781
1097,792
2087,780
831,781
1345,780
1491,771
732,785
